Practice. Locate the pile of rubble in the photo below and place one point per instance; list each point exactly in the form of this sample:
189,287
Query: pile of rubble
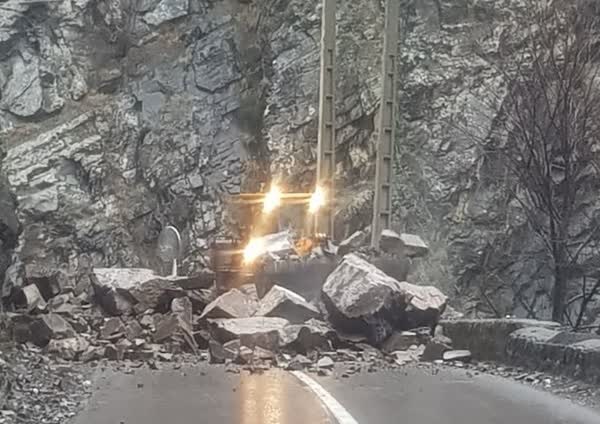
361,315
36,389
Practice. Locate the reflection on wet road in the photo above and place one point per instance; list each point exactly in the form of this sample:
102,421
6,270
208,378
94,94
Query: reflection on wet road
208,394
202,395
274,398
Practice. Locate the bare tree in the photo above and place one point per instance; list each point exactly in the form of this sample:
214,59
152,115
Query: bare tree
548,137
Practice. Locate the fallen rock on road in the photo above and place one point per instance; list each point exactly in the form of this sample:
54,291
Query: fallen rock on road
360,298
232,304
125,291
284,303
254,331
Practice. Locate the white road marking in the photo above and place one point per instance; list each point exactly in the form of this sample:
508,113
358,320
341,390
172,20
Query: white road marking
337,410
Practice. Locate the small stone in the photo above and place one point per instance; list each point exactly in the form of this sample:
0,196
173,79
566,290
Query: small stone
112,353
147,322
435,350
299,362
112,329
133,330
166,357
262,354
457,355
325,362
245,354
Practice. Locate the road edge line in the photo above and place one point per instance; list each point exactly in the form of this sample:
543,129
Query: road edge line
335,408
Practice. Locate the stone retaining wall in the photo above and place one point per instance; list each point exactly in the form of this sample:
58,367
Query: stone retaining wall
538,345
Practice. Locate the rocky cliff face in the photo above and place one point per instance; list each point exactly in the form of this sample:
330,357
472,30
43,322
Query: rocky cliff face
121,116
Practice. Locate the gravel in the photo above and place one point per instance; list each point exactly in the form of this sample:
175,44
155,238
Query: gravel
38,390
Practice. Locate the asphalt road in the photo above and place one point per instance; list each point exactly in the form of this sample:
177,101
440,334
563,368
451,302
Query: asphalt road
208,394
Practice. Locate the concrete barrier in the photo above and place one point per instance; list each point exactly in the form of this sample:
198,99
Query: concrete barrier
537,345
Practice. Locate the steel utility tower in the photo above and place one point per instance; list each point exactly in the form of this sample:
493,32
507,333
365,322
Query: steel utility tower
382,205
326,135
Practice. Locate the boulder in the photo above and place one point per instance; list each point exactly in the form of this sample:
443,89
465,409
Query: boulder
49,281
112,329
284,303
114,353
306,337
202,339
426,305
233,304
219,353
299,362
92,353
177,325
253,331
64,304
48,327
200,298
261,354
69,349
133,330
360,298
400,341
325,362
436,348
124,291
30,298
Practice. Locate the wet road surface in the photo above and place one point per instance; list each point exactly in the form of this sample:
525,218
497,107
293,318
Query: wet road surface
207,394
202,395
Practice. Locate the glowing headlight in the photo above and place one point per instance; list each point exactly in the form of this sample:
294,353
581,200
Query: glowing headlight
272,199
317,200
253,250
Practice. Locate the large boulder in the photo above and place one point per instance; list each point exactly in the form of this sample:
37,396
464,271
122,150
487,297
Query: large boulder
426,305
232,304
124,291
29,298
283,303
362,299
177,327
254,331
48,327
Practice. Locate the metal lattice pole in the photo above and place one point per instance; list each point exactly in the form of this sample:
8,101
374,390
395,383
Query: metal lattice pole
326,140
382,205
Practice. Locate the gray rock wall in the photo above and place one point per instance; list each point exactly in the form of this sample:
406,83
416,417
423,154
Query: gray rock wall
119,117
